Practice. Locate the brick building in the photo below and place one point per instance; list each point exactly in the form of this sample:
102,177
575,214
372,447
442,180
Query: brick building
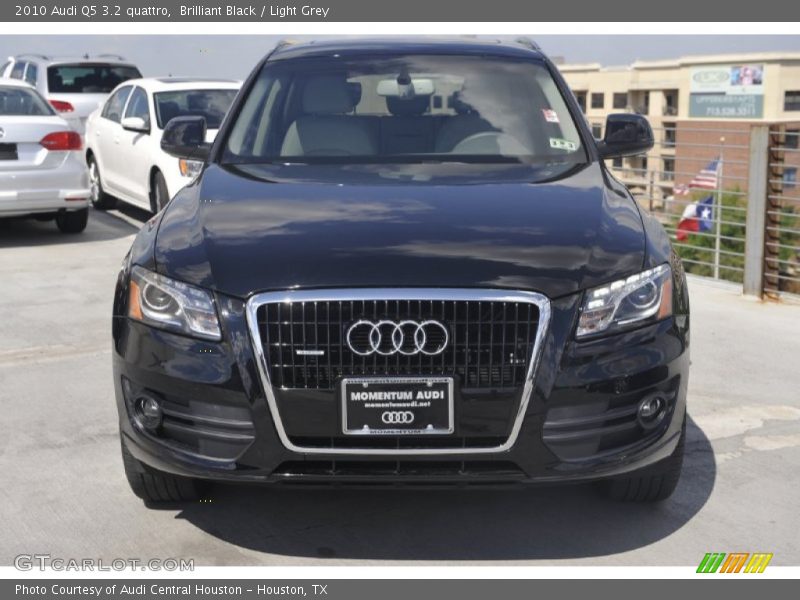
700,107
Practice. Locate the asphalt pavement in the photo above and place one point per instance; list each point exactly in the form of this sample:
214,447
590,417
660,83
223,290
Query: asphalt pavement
63,492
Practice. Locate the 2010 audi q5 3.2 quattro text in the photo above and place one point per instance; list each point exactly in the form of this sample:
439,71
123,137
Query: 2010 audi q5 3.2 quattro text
402,261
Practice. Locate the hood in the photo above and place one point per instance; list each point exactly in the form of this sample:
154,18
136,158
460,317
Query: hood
555,230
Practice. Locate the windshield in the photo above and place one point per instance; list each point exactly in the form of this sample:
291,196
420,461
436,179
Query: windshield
400,109
15,101
83,78
210,104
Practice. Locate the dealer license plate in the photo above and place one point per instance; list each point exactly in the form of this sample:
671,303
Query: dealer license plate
397,405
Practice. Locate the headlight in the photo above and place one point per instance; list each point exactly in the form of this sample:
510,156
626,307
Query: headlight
190,168
163,302
627,302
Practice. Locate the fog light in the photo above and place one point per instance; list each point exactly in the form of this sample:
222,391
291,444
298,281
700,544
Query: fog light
651,411
148,412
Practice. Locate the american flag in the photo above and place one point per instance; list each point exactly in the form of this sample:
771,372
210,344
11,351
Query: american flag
706,179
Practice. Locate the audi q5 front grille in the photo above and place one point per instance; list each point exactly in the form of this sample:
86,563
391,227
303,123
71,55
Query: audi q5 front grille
483,343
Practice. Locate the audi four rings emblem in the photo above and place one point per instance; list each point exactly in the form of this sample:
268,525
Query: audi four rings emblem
391,337
397,417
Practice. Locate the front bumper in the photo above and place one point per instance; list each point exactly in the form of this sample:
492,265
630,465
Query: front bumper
578,425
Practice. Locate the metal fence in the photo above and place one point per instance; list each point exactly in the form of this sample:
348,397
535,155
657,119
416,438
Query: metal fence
728,200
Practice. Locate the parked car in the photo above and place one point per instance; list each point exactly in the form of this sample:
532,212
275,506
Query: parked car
42,172
404,261
75,87
123,138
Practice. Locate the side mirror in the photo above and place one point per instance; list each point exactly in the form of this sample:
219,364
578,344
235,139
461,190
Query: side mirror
185,137
135,124
626,135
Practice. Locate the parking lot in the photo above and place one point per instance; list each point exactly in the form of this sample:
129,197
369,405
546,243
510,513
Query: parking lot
64,493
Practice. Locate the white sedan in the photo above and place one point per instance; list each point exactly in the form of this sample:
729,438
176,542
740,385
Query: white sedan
123,138
42,172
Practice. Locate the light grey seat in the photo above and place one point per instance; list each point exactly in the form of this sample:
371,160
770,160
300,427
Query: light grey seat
458,128
325,129
467,121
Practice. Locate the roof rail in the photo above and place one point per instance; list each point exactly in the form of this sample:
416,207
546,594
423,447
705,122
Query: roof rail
280,44
106,55
283,42
528,43
31,55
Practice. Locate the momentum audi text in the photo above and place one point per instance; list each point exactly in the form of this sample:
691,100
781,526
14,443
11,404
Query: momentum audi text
402,261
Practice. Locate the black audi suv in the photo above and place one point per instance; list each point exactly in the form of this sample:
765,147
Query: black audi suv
404,261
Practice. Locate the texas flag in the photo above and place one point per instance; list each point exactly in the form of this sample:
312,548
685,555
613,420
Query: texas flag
697,216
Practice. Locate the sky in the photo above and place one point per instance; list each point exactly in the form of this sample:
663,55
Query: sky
234,56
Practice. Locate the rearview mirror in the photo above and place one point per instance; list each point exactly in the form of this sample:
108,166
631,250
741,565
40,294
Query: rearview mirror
185,137
137,124
407,88
626,135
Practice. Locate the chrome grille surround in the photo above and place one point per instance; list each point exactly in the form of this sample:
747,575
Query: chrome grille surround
401,294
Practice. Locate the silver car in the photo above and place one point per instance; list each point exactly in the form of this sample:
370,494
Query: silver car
42,171
75,87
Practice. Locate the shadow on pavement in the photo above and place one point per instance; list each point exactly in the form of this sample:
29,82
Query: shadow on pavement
25,231
452,524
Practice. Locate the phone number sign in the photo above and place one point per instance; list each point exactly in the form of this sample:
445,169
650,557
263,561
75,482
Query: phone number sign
722,106
727,92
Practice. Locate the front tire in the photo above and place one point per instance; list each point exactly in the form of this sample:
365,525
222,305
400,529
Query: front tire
156,487
100,199
73,221
651,484
159,196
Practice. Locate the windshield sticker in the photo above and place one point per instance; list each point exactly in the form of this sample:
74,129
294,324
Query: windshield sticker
562,144
550,115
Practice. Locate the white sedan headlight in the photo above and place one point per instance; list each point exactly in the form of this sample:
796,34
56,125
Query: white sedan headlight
163,302
646,296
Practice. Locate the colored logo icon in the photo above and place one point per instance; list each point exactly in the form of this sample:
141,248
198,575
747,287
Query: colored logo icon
735,562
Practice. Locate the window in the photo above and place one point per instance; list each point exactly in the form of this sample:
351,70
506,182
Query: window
114,105
88,78
19,101
581,98
620,100
617,162
791,100
209,104
598,100
668,170
669,135
137,106
670,103
31,73
18,70
789,178
597,131
644,108
367,110
791,139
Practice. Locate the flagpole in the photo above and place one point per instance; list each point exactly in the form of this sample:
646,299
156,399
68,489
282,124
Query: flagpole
718,210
